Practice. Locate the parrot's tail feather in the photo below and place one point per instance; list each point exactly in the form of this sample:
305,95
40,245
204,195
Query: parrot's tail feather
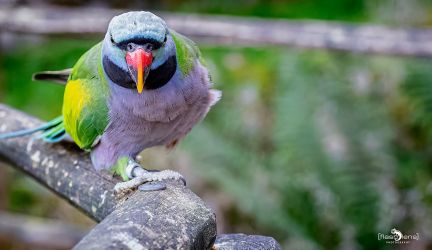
55,133
21,133
60,76
52,131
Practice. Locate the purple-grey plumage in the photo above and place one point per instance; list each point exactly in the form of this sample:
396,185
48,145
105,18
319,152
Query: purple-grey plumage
156,117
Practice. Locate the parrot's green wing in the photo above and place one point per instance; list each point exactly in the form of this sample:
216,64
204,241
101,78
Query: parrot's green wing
85,108
187,52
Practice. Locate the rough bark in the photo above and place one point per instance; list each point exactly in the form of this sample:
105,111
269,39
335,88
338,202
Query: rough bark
243,241
232,30
149,221
62,167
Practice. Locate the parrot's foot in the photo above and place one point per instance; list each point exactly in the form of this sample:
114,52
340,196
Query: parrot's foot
146,180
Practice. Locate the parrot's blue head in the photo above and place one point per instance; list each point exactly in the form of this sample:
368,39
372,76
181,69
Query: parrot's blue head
138,51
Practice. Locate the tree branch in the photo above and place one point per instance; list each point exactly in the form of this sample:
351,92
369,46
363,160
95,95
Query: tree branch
61,167
174,218
230,30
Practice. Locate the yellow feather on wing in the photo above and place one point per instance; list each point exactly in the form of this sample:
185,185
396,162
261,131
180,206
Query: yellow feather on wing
75,99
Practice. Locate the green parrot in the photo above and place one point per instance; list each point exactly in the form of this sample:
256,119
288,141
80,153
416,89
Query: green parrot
144,85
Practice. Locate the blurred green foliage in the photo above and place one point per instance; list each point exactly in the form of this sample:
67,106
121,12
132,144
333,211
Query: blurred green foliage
16,69
312,144
322,150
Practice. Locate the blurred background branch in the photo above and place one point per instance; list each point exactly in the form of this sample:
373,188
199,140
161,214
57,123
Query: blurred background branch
229,30
17,231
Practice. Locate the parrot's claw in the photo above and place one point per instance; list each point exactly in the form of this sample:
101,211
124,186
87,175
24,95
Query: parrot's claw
152,186
146,180
124,187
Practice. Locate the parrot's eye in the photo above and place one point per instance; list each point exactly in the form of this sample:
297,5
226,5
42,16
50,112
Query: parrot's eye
130,47
149,46
112,39
165,39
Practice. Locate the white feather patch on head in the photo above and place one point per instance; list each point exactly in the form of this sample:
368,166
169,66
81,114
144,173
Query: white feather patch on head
137,24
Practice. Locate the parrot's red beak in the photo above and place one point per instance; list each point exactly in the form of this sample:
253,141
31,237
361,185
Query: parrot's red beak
139,62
